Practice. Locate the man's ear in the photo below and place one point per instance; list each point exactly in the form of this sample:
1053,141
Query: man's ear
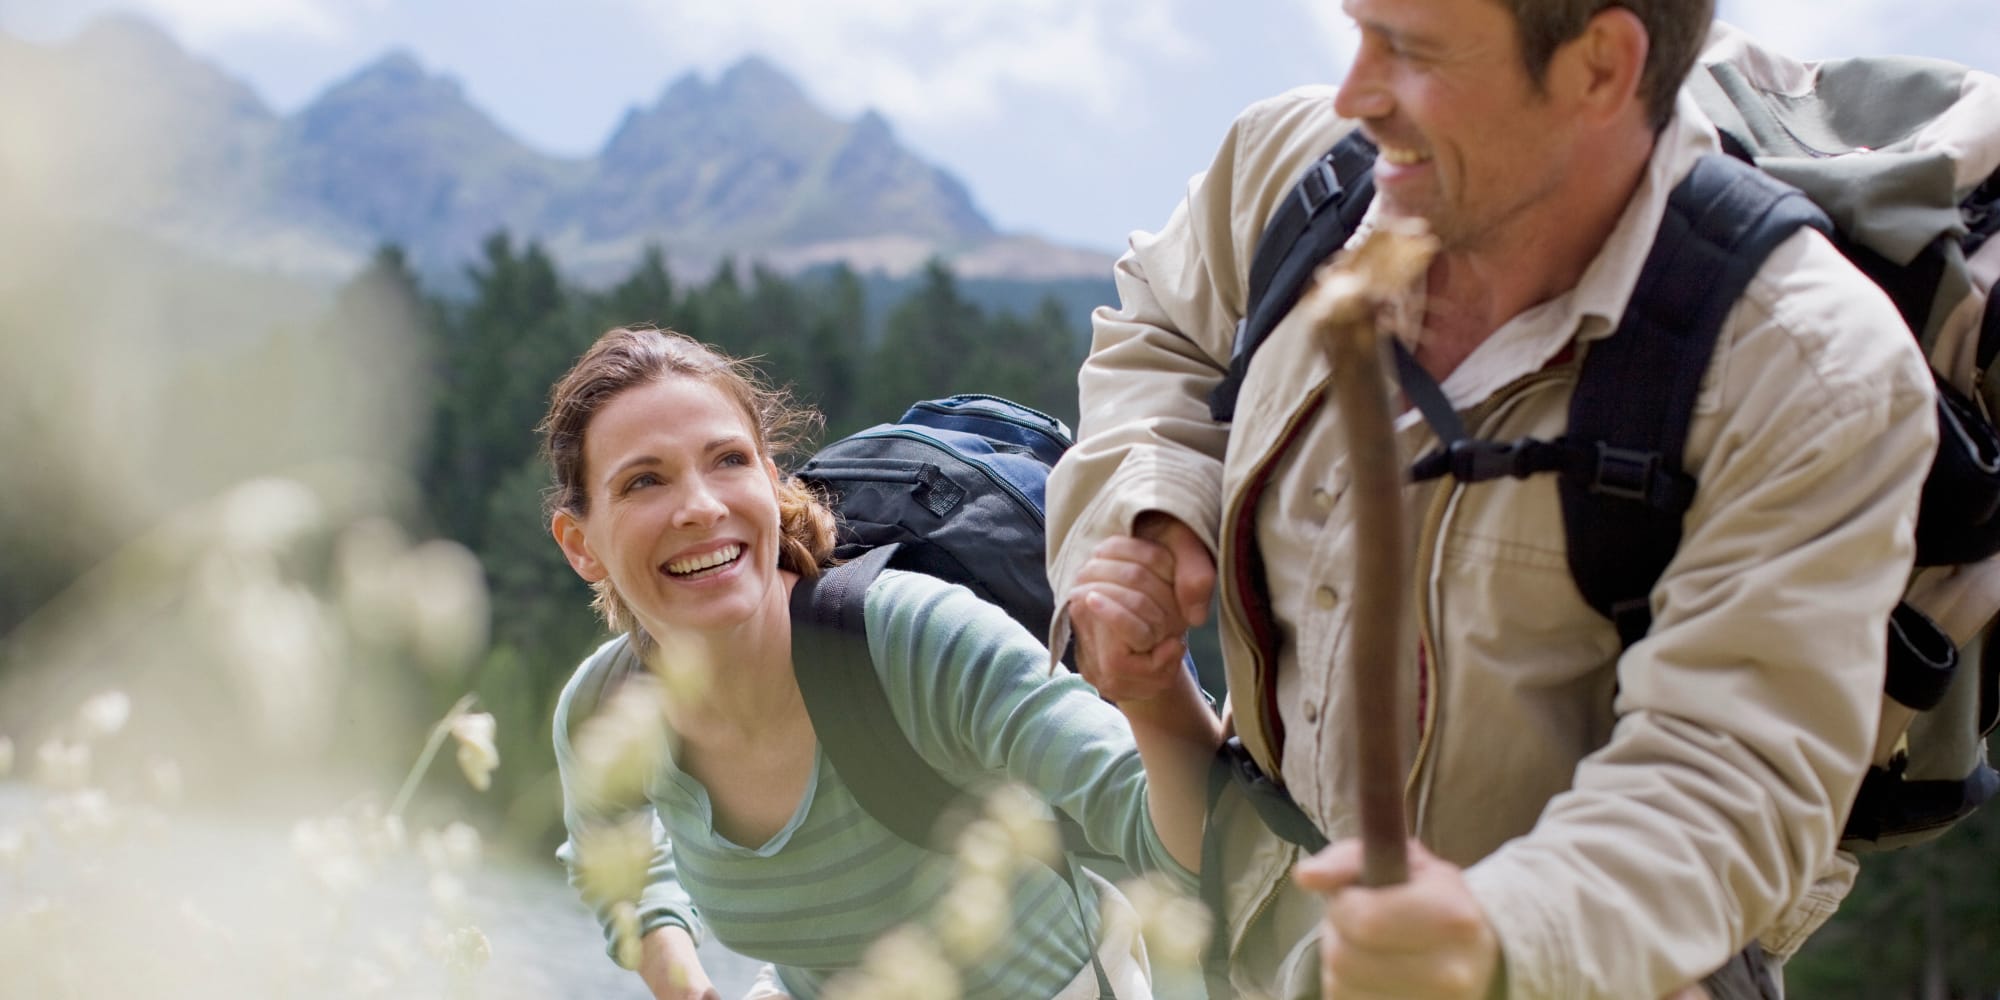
569,534
1603,66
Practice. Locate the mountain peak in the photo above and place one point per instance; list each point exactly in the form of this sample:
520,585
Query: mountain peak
397,72
127,35
756,76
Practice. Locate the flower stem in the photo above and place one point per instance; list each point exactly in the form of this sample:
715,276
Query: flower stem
431,745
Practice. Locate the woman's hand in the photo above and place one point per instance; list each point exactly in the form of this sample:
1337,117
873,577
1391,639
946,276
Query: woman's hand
1134,600
671,968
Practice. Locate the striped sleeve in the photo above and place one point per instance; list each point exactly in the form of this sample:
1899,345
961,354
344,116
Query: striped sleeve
663,902
969,687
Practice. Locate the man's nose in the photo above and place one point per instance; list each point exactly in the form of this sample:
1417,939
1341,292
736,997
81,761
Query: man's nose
1362,95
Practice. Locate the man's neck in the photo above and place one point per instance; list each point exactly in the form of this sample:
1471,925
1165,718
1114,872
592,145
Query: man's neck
1471,292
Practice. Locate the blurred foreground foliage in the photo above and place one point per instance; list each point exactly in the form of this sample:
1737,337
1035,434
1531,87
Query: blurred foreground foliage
428,405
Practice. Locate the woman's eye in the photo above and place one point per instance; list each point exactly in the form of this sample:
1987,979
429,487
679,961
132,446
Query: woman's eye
735,458
640,481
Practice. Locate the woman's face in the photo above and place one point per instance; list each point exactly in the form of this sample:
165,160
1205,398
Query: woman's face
683,516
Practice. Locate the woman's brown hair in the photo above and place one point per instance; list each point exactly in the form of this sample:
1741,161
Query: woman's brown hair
629,357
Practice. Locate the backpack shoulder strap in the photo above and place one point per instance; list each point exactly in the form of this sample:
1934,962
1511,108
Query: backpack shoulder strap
858,731
849,710
1636,392
1312,221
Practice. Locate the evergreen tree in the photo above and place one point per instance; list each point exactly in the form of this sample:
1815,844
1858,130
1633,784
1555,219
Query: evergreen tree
646,297
933,344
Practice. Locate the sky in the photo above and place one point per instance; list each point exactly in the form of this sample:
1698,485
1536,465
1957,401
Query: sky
1075,120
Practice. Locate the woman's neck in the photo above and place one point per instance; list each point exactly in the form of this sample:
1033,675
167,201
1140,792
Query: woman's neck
735,683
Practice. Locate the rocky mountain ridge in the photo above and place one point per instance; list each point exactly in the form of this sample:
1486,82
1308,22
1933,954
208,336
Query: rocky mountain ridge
120,124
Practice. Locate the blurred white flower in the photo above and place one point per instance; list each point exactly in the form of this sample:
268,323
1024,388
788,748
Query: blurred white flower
63,766
13,849
163,780
684,681
972,916
282,648
985,849
103,715
904,964
455,848
625,932
6,756
445,597
82,815
621,747
467,950
382,835
447,895
1029,824
477,755
367,562
612,860
330,853
1175,925
268,514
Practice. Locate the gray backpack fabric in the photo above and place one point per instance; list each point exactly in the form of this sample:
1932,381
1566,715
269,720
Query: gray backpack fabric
1904,155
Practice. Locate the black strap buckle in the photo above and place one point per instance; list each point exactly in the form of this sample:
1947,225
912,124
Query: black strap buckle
1624,472
1319,188
1475,461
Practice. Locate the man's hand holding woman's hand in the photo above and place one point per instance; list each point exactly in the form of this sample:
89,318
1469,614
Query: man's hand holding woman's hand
1132,605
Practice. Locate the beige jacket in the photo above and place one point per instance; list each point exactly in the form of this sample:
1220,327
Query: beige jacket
1628,821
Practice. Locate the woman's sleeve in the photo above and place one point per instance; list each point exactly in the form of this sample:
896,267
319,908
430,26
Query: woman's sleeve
970,688
663,902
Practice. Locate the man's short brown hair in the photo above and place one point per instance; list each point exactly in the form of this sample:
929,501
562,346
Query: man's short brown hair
1674,28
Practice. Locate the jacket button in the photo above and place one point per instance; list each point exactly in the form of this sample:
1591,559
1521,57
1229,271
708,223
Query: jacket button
1325,597
1323,500
1312,714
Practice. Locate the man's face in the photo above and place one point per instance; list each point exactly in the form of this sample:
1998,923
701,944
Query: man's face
1469,143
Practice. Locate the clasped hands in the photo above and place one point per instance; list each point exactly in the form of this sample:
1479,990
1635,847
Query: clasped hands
1130,609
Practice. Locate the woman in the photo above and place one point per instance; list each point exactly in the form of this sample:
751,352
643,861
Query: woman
669,502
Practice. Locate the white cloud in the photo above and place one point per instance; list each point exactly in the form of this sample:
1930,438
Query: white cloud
929,62
207,22
1813,29
1334,34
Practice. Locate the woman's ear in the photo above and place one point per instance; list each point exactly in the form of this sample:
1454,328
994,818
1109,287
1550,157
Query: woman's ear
569,535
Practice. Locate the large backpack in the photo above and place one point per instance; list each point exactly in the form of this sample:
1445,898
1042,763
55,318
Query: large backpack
1898,160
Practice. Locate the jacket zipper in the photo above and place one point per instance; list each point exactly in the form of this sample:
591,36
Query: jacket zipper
1431,667
1238,553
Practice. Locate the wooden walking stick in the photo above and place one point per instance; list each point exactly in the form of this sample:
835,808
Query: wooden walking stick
1343,305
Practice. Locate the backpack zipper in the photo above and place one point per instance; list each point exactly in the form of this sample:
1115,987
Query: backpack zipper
1055,431
986,470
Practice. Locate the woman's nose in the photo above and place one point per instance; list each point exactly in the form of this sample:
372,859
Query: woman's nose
699,506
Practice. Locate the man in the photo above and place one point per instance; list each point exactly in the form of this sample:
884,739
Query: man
1588,821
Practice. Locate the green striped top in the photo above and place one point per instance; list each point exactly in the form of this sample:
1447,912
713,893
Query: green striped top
969,687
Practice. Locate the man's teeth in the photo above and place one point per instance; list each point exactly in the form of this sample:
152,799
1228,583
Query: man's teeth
1404,157
722,556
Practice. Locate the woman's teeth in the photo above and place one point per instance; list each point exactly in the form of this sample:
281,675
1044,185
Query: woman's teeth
720,557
